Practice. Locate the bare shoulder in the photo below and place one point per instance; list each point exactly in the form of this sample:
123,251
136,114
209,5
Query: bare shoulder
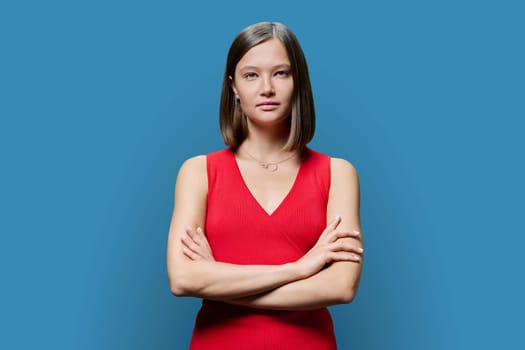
342,170
193,174
193,166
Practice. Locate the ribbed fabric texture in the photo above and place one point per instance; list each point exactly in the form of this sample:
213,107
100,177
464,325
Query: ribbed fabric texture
240,231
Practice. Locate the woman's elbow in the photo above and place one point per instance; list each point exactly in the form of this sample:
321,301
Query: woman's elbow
346,290
179,284
347,296
177,290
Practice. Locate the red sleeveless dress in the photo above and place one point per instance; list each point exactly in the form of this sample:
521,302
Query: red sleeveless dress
240,231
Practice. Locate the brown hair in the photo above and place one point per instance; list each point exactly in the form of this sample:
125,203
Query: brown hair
302,122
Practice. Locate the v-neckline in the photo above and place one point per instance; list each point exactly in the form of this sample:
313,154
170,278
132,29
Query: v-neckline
254,199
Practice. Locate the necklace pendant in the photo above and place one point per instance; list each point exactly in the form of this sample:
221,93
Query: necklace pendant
270,166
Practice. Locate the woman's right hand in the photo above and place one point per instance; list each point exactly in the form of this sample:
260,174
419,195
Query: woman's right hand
330,247
196,245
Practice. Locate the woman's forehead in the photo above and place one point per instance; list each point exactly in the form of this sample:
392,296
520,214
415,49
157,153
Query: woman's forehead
269,53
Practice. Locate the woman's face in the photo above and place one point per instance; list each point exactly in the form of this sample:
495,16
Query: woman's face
264,85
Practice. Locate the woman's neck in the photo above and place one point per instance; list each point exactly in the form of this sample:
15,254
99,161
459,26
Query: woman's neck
267,144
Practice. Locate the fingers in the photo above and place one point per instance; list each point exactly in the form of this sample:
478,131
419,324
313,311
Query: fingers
201,238
193,235
189,243
190,254
335,222
190,248
195,245
347,247
342,250
344,256
332,225
190,232
343,234
197,236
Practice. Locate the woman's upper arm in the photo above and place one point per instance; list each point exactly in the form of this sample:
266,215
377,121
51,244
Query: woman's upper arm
189,209
343,200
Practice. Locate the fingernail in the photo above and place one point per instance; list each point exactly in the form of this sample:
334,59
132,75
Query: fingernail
356,231
360,250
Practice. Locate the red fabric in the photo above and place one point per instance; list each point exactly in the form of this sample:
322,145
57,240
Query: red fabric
240,231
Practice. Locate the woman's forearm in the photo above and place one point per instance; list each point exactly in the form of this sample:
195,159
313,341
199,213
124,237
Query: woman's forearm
337,284
194,275
220,281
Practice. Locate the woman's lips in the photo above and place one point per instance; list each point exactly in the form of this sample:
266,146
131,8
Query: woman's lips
268,106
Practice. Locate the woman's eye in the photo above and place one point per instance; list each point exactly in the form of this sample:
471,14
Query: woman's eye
282,73
250,76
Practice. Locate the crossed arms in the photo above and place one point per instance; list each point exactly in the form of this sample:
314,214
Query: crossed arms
304,284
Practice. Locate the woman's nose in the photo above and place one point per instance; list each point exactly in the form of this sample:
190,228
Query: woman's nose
267,87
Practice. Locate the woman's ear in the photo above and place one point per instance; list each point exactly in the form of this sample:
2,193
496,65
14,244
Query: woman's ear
232,84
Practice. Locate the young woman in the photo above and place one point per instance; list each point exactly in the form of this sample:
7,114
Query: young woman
266,231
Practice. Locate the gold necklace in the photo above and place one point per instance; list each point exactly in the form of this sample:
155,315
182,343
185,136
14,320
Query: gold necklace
270,166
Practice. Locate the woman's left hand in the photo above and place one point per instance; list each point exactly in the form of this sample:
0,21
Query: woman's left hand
196,246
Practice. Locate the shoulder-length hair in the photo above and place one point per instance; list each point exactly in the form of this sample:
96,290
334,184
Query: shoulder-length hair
233,123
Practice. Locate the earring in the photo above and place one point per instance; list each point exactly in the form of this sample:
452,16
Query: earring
236,103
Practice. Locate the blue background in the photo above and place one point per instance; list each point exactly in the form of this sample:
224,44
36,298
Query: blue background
101,101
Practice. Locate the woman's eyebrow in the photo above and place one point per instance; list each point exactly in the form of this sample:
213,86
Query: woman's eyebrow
282,66
278,66
245,68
